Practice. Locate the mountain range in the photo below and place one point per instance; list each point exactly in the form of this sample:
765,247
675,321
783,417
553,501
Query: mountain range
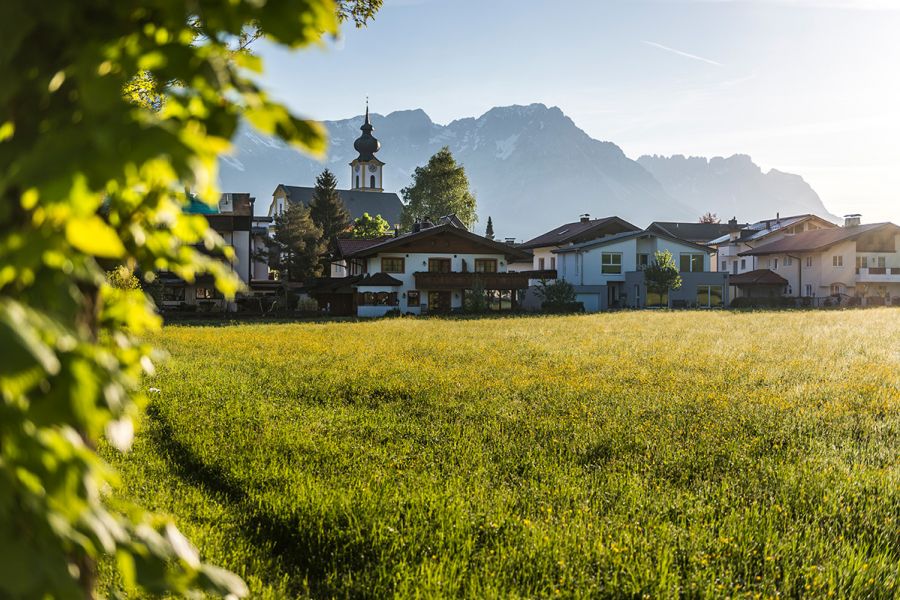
531,168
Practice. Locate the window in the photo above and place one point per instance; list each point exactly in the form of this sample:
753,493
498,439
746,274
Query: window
438,265
809,261
485,265
809,291
773,263
377,299
862,262
724,266
837,261
743,264
734,268
173,293
540,264
709,296
393,264
205,293
836,289
643,261
553,262
357,181
788,261
412,298
372,181
611,263
691,263
881,262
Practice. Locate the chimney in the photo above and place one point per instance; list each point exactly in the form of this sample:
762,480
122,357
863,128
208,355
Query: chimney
396,231
853,220
586,218
734,231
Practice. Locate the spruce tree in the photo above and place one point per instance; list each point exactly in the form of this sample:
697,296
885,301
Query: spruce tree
489,230
296,249
328,212
439,188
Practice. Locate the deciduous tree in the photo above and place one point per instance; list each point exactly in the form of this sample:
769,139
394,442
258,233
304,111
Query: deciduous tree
439,188
662,274
95,154
368,227
710,217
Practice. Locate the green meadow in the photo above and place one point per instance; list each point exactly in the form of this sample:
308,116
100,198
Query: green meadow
641,454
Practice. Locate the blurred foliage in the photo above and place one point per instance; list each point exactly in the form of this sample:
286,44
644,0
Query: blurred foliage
95,160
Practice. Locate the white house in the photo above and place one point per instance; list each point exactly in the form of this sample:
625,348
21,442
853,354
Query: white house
434,269
608,272
839,263
585,229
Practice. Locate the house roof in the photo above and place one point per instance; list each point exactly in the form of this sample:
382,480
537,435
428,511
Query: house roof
618,237
386,204
760,229
498,247
378,279
817,239
577,231
757,277
348,246
701,233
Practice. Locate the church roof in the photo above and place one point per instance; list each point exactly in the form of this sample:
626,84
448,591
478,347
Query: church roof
386,204
366,144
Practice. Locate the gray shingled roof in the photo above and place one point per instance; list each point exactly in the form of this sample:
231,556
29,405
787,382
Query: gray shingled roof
579,231
386,204
701,233
609,239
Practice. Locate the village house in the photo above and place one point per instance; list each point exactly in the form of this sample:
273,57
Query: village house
854,263
367,194
244,233
608,272
435,269
584,229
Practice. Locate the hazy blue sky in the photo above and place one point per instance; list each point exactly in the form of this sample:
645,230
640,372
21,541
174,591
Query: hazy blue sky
806,86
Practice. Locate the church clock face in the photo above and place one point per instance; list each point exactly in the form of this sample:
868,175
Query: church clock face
357,168
372,168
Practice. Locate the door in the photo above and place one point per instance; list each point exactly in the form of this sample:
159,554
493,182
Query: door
438,302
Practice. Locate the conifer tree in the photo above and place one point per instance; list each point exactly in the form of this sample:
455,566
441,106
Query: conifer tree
489,230
329,213
296,249
439,188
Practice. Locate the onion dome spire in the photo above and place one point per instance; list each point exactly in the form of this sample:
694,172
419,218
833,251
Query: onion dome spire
366,144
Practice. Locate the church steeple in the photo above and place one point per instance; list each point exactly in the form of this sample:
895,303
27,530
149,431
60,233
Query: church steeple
365,170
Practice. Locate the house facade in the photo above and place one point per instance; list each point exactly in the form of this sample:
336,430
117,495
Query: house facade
543,247
608,272
860,262
433,270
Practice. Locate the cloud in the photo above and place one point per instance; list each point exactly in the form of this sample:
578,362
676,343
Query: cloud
684,54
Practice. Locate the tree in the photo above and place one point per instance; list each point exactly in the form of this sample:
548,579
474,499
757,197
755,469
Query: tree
556,295
296,249
328,212
97,145
439,188
368,227
489,230
710,217
662,275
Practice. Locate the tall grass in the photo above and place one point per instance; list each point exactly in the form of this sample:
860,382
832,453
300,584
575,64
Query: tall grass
656,454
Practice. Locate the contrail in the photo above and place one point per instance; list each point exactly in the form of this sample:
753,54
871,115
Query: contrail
685,54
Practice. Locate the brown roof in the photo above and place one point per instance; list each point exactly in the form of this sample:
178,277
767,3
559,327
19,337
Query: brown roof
701,233
347,246
579,231
757,277
379,278
817,239
511,252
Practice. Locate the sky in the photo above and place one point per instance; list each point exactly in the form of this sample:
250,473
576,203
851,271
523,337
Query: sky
804,86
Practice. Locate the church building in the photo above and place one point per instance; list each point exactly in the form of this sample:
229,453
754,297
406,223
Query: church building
367,193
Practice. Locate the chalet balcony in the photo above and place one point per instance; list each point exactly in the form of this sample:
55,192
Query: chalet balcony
878,275
488,281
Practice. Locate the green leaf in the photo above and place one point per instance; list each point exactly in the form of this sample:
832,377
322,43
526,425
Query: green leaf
93,236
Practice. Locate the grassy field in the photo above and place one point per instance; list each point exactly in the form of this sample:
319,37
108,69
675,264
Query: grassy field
636,454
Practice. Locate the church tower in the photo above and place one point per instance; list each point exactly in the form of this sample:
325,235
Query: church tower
366,170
